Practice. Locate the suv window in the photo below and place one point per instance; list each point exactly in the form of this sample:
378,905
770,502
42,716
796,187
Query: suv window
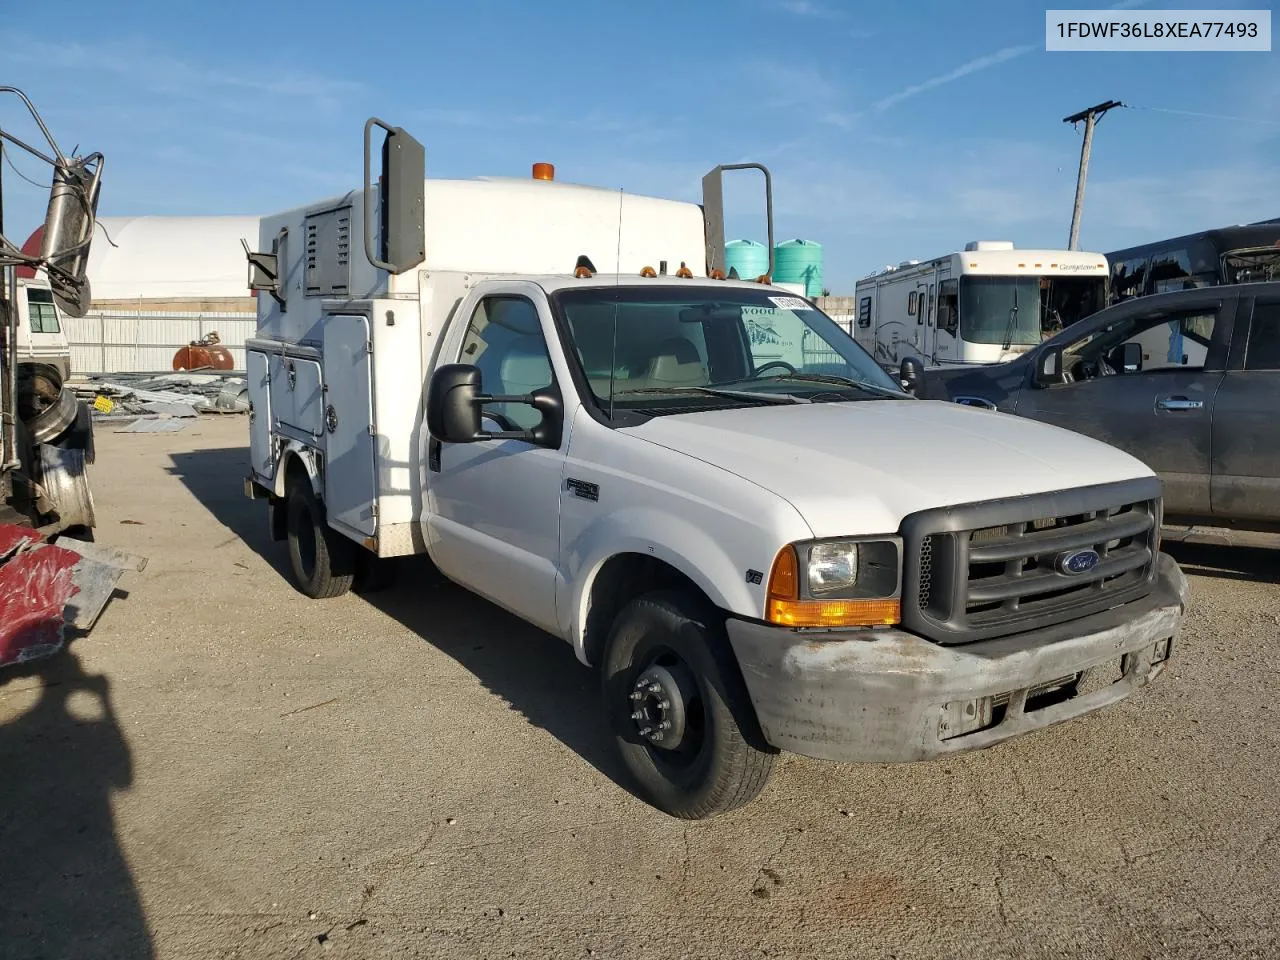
504,340
1264,337
1173,340
42,315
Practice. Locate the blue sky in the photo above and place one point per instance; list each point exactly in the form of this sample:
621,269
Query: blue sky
892,130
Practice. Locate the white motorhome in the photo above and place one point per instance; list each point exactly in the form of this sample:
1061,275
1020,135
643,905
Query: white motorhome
702,485
985,304
42,337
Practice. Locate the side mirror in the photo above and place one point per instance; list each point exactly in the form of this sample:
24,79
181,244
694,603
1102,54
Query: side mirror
1131,357
1048,368
911,375
402,242
453,404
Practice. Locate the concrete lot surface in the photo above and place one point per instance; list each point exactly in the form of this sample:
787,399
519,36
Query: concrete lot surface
223,768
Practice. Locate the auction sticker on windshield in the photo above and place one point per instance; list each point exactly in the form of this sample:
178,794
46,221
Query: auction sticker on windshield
790,303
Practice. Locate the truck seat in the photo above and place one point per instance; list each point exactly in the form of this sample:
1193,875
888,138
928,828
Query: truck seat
676,363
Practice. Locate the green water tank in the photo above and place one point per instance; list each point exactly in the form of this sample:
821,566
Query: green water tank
799,261
749,258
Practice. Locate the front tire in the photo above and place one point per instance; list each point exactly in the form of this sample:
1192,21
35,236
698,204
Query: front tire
323,561
679,710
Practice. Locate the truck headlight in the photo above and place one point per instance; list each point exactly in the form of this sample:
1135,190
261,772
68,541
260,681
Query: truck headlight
836,583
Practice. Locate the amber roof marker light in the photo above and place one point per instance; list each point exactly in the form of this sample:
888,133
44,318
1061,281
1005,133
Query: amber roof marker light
544,171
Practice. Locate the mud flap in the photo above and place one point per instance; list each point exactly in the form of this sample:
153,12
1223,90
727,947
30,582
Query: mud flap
45,587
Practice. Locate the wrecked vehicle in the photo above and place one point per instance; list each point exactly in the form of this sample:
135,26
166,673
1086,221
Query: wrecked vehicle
703,485
46,432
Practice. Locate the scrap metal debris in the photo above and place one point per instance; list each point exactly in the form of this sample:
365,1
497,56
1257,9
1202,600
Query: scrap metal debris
149,397
45,587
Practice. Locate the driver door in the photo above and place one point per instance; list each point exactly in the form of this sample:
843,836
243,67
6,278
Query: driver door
1160,412
495,504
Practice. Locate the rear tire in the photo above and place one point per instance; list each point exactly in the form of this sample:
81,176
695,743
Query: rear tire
323,561
667,661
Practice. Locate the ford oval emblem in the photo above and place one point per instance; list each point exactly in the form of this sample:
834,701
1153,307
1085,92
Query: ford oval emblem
1077,562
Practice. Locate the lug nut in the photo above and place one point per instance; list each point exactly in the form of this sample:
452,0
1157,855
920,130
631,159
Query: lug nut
646,731
664,704
655,687
637,695
665,725
638,715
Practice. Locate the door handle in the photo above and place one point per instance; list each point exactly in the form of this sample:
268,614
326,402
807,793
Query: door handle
1178,403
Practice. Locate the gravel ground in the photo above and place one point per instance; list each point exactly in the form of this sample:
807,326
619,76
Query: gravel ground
226,769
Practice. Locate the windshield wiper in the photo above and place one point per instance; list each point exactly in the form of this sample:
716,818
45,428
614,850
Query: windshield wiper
843,381
774,398
1013,320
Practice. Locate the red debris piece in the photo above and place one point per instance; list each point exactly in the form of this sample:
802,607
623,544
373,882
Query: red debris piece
36,581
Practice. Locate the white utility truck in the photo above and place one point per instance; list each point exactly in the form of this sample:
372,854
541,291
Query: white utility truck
758,551
985,304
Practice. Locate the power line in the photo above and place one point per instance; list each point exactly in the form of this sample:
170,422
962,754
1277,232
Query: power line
1206,116
12,166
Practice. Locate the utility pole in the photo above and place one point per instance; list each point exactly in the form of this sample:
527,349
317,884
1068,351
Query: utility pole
1090,116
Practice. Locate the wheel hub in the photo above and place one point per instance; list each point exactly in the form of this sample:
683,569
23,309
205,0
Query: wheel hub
659,707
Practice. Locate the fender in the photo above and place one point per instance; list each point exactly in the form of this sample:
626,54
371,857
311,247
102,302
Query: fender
295,450
674,540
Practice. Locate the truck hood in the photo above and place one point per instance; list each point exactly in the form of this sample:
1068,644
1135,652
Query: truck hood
860,467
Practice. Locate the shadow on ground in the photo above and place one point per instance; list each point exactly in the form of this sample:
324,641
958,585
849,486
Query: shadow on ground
534,672
65,888
1249,564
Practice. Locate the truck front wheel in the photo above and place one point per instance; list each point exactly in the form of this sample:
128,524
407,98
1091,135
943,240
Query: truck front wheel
323,561
679,710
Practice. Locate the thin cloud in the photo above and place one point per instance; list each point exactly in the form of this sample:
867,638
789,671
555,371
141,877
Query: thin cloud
973,66
807,8
146,68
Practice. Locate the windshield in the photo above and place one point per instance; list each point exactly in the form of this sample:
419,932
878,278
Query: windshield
1000,310
678,350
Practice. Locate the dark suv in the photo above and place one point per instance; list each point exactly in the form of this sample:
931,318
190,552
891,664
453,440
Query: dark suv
1188,382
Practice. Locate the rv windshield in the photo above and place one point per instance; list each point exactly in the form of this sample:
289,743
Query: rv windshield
665,350
1000,310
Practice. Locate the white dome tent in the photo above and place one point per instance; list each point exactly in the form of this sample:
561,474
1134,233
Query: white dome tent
159,283
181,261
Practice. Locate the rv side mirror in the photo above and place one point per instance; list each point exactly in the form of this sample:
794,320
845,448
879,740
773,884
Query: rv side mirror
1049,368
911,374
453,404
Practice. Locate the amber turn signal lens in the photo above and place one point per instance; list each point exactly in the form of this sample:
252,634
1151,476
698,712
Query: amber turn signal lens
648,272
544,171
834,613
784,607
684,272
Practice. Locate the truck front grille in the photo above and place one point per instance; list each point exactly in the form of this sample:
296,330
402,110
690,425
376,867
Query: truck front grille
985,570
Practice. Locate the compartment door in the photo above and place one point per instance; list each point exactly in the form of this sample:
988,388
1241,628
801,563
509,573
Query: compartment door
259,381
350,485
